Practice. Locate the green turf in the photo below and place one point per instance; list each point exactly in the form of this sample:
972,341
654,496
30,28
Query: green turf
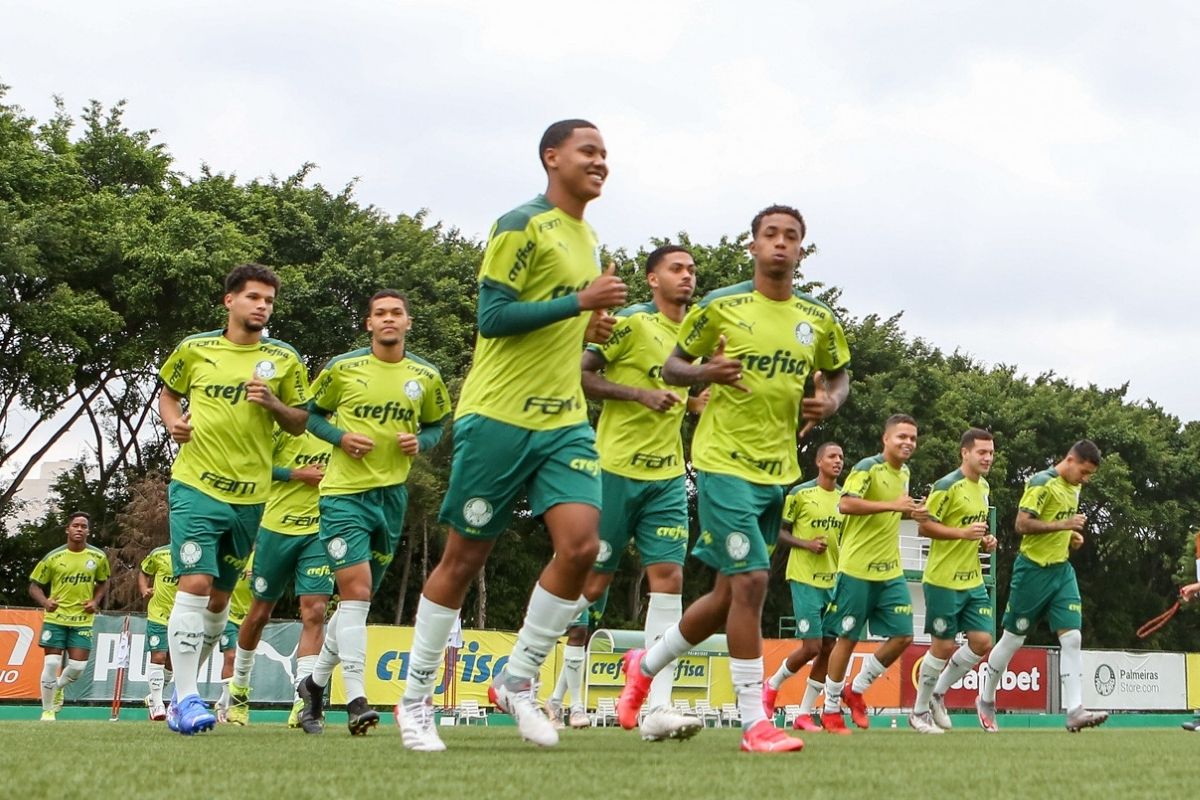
138,759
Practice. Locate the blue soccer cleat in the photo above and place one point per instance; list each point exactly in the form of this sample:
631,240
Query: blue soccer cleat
190,716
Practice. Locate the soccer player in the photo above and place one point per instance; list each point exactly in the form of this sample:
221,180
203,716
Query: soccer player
390,406
812,528
870,582
643,490
158,585
237,384
287,550
763,338
521,425
956,600
1043,583
69,582
239,604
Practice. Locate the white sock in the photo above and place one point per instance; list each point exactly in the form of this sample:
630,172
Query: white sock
927,678
560,685
328,658
304,666
833,695
663,612
546,619
781,675
1070,662
430,632
811,692
997,663
872,669
352,645
213,623
168,676
962,662
185,640
243,666
50,680
747,675
223,700
155,674
573,658
670,647
71,672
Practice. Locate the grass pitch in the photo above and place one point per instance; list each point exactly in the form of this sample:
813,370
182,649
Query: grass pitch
139,759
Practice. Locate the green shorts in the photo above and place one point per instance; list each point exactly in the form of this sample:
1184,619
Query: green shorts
886,605
1043,592
156,637
494,462
808,607
65,637
280,558
653,513
366,526
949,612
209,537
590,617
229,636
739,522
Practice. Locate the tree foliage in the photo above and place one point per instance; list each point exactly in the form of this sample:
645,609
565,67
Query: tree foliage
109,256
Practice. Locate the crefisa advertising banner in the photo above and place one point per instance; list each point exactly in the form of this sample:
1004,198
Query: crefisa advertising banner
1121,680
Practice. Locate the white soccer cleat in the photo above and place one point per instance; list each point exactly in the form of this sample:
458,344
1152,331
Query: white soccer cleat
664,722
923,723
579,719
418,727
941,717
554,711
519,699
156,711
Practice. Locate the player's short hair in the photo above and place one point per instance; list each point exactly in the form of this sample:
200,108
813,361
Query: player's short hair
382,293
1086,450
558,133
660,253
898,419
756,223
974,435
236,280
821,448
74,515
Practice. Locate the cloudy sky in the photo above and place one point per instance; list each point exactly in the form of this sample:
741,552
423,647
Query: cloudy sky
1020,179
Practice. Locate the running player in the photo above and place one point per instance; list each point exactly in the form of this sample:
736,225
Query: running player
390,405
287,550
239,604
956,600
643,490
744,453
158,585
870,583
69,582
238,384
812,528
1043,583
521,425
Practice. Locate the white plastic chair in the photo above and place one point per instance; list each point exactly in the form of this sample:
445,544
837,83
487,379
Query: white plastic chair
730,714
606,712
470,710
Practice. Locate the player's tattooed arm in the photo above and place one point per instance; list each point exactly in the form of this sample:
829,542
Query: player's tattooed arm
598,387
680,369
1030,525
